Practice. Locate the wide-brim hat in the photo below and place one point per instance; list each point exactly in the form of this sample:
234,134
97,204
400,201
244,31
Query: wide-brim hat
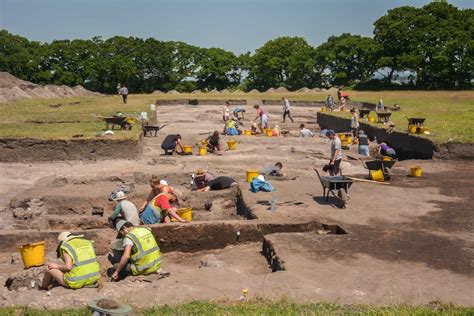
120,195
66,236
200,172
120,224
123,309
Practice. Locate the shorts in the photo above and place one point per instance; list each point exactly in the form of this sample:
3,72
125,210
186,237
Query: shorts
336,167
364,150
150,216
264,121
169,146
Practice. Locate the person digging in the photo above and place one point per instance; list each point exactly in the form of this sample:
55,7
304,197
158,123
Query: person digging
141,253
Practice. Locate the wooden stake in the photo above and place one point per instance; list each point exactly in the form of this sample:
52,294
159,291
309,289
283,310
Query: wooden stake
369,181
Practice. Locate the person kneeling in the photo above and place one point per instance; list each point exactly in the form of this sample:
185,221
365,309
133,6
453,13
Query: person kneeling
141,254
80,268
159,210
172,143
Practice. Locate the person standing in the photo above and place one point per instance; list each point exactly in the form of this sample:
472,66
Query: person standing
336,153
124,93
354,123
80,266
286,109
330,102
226,111
363,144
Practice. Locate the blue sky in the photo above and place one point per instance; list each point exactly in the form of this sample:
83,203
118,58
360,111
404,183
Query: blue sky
236,25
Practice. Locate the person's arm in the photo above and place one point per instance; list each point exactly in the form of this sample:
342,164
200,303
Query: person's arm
123,261
67,266
178,143
117,210
311,133
173,214
336,153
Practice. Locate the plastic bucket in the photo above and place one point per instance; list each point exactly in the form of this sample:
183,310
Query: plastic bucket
269,132
386,158
202,151
377,175
371,119
349,139
188,149
185,213
247,132
344,143
412,129
323,109
232,144
32,254
415,171
251,174
342,136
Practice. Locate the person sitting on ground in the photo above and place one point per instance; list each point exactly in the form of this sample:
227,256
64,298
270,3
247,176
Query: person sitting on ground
354,123
273,170
232,128
219,183
171,143
304,132
336,153
262,116
159,210
141,254
201,179
80,268
226,111
214,142
388,151
363,144
124,209
239,110
276,132
254,129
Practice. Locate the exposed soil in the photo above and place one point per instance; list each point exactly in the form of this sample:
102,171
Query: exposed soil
408,242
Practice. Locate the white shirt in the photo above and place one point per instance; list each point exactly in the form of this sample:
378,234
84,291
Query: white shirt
286,105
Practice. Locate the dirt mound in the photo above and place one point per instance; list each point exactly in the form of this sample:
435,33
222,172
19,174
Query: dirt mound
281,90
225,91
254,91
196,92
158,92
238,91
214,91
12,88
332,90
271,90
304,90
317,90
172,92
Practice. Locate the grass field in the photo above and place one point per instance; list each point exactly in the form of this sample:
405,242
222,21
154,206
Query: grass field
449,114
264,308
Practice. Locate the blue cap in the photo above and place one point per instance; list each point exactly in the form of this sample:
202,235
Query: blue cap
330,132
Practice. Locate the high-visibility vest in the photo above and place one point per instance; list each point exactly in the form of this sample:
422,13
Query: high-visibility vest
146,255
85,268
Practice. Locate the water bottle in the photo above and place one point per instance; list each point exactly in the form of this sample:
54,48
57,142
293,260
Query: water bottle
273,203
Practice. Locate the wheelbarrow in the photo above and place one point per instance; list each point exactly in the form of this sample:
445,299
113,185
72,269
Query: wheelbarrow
383,116
364,112
384,165
331,184
110,122
416,121
151,129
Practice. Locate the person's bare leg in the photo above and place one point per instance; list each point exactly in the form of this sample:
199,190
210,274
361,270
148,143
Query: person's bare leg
49,276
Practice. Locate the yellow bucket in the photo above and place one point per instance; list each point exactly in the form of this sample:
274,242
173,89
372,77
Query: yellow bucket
377,175
415,171
323,109
349,139
342,136
412,129
371,119
251,174
185,213
187,149
232,144
247,132
269,132
386,158
32,254
344,143
202,151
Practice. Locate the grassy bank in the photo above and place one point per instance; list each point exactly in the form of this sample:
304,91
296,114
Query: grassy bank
265,308
449,114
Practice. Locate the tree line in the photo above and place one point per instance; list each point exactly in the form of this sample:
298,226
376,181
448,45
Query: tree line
432,46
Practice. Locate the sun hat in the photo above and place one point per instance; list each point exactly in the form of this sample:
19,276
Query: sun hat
261,178
120,195
120,224
200,172
163,182
65,236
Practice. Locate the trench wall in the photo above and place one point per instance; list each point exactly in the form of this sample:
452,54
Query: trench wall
407,146
29,149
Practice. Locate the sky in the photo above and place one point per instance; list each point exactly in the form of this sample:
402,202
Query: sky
235,25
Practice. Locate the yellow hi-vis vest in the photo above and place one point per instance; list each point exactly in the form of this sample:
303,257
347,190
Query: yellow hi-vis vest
85,268
146,255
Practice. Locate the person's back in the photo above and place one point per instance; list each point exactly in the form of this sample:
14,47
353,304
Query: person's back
130,212
85,269
304,132
363,144
146,255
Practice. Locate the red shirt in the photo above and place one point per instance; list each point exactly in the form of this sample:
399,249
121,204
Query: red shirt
162,202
